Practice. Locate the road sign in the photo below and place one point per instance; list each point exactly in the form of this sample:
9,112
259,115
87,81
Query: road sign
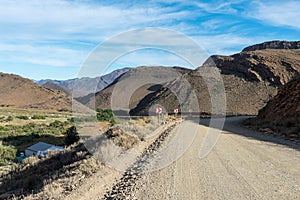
158,110
176,110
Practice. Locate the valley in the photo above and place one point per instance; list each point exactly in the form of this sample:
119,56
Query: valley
117,136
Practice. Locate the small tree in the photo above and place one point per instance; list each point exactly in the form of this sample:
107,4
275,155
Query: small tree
72,136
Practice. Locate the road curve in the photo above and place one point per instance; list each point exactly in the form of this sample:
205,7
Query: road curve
243,165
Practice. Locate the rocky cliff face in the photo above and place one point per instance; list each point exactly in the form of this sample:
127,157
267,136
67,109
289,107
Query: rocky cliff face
274,66
274,45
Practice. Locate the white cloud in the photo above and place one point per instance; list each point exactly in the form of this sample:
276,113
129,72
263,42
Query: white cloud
61,33
41,55
71,20
40,32
278,13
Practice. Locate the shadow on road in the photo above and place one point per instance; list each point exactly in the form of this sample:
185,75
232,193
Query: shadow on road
234,126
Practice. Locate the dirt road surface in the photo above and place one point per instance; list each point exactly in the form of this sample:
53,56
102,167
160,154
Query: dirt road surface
243,165
239,167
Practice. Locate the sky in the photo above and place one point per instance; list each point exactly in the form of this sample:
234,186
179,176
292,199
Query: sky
52,39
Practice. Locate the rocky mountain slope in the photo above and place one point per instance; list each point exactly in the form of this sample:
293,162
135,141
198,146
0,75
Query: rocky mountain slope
277,44
128,90
53,86
281,115
84,86
286,104
16,91
250,79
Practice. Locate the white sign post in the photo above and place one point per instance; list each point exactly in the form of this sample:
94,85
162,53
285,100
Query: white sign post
176,112
158,112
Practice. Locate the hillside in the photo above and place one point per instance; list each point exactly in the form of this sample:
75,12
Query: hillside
16,91
285,105
281,115
130,88
277,44
84,86
53,86
250,79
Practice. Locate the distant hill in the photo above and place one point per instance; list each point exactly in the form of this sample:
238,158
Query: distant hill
16,91
250,79
84,86
134,81
53,86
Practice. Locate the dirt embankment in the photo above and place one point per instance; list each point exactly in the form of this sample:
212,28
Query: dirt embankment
281,115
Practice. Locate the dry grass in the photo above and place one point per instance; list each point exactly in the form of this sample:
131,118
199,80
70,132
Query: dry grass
120,138
49,178
140,127
288,127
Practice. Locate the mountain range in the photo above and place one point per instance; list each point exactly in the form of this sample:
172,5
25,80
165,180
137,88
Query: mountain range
251,78
83,86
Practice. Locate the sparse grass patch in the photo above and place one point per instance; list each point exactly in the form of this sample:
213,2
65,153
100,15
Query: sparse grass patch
289,127
25,135
40,178
7,153
120,138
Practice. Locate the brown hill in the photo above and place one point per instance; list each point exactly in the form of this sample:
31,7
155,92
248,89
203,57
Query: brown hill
131,87
250,79
281,115
277,44
285,105
53,86
20,92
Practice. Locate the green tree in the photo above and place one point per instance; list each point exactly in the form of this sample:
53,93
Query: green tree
105,115
72,136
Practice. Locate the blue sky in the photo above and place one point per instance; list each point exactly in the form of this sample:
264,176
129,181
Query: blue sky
52,38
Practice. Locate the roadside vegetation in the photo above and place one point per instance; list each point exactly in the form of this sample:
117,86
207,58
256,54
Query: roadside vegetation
44,178
59,173
289,127
7,154
19,130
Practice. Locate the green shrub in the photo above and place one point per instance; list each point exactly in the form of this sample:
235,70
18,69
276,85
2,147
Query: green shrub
23,117
72,136
105,115
56,124
3,128
9,119
63,110
38,117
72,119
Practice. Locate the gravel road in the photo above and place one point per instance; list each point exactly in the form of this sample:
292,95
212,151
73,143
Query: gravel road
244,164
247,166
